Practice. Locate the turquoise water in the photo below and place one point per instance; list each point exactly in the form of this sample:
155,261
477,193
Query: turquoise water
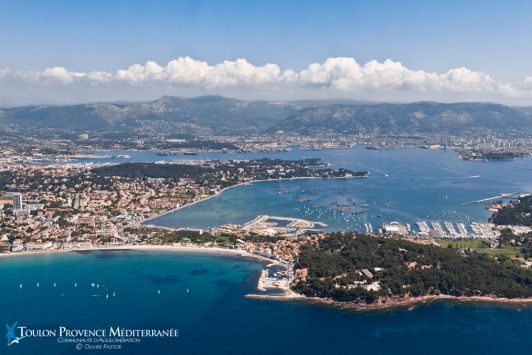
215,318
417,184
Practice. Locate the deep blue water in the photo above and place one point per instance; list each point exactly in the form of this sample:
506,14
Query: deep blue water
215,318
416,184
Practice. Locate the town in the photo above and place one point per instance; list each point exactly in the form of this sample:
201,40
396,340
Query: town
70,207
78,206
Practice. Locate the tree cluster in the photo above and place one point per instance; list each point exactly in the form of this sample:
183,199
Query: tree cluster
337,260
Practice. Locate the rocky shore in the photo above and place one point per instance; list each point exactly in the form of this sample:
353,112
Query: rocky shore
391,302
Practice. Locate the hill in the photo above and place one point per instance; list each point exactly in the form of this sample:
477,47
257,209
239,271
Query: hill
217,113
403,118
220,115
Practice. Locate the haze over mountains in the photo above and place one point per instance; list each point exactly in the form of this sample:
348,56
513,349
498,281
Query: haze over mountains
221,115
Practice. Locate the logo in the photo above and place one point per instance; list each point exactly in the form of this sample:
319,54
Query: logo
99,338
11,337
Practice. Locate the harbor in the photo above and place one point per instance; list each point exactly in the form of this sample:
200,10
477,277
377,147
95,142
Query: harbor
365,198
284,226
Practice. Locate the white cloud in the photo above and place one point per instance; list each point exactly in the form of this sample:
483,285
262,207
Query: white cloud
335,77
187,71
97,77
60,75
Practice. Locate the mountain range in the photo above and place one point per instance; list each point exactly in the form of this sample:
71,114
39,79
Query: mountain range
221,115
420,117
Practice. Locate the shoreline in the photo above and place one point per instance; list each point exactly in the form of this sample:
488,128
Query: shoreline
195,249
413,301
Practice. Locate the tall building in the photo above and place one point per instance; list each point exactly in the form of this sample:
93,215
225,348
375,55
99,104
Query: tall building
17,201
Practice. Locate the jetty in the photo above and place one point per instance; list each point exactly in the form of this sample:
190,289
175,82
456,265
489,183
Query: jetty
503,195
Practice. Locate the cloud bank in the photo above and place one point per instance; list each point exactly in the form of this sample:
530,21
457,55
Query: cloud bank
336,77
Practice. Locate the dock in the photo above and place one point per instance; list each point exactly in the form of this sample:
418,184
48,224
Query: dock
436,226
462,228
423,227
450,228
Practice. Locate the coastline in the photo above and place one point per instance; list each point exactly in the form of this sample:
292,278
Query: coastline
412,301
289,294
397,303
195,249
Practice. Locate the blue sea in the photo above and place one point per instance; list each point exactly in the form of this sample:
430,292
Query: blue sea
148,290
406,185
214,317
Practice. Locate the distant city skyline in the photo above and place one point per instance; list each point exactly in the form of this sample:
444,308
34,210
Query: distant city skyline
447,51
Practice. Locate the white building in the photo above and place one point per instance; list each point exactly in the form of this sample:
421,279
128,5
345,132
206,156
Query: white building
394,228
38,245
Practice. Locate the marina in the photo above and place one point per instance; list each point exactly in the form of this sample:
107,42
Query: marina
450,228
416,178
271,225
436,226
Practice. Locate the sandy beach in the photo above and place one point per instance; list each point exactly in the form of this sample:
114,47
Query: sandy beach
180,248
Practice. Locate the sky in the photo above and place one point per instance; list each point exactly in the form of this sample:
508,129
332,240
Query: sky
59,52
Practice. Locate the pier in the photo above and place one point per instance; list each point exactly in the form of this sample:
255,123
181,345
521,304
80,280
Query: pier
503,195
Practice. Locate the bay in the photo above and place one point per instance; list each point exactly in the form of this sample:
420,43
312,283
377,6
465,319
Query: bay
406,185
215,318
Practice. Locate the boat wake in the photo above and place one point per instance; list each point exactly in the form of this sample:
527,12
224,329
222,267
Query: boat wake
454,177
